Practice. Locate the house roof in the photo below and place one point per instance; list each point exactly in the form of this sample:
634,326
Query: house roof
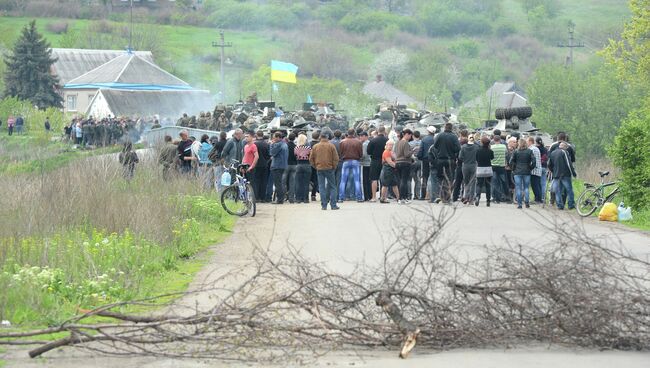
128,71
502,94
72,63
387,92
163,103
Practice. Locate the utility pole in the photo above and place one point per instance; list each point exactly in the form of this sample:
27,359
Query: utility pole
223,44
571,45
131,30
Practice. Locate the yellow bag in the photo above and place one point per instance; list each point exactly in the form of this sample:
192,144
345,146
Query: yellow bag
609,212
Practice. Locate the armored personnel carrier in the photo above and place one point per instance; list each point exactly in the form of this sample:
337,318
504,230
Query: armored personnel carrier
515,121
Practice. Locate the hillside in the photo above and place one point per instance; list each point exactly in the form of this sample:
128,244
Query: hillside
447,52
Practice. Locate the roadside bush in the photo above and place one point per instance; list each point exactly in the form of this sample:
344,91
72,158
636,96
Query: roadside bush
630,153
504,30
377,21
57,27
465,49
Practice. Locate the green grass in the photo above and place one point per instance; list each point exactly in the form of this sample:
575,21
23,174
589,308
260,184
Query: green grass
25,154
187,51
49,279
640,219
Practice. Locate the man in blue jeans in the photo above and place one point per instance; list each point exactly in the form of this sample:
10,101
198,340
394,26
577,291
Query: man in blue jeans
279,163
325,159
499,181
351,151
560,165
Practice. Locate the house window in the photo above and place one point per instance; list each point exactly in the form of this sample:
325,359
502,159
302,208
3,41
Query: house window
90,98
71,102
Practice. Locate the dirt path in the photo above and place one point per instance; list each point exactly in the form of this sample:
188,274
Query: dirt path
359,231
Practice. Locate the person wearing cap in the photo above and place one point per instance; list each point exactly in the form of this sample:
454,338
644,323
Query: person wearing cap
324,158
423,156
403,161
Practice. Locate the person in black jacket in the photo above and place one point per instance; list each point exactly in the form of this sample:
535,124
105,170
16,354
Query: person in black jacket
261,172
559,163
521,163
375,150
423,156
446,147
484,157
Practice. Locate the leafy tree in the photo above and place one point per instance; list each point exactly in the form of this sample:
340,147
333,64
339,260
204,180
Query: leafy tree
550,7
631,57
630,153
28,70
391,64
589,105
631,54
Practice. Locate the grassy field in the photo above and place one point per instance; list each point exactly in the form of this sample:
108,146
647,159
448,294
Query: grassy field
28,154
76,235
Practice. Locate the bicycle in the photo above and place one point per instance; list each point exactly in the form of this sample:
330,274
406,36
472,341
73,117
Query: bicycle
238,198
594,196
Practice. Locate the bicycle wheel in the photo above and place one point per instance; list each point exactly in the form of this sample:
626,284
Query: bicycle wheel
588,201
250,201
232,202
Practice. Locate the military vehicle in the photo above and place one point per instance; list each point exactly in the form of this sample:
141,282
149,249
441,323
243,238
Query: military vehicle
515,120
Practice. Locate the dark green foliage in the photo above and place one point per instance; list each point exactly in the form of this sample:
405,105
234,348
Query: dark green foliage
28,70
631,153
441,22
587,104
377,21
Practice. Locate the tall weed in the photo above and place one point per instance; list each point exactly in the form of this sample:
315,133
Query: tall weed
81,236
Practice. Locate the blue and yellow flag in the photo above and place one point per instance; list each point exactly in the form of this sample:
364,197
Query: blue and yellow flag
283,72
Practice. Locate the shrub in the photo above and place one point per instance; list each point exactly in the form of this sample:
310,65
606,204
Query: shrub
57,27
34,118
465,48
504,30
439,22
630,153
376,21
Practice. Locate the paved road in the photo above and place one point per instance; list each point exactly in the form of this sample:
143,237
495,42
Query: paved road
360,231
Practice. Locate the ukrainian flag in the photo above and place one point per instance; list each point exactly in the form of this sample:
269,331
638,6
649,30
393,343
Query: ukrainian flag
283,72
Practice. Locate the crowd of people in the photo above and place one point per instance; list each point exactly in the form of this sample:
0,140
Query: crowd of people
105,132
382,166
